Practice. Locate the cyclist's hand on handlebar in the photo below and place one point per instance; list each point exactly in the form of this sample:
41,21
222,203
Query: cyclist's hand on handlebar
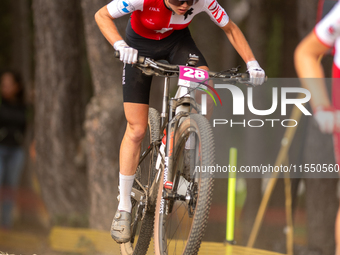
127,54
328,119
256,73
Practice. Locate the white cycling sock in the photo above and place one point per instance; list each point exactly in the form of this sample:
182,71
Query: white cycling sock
125,187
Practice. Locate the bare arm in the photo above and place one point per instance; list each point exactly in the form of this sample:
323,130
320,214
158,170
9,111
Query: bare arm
307,64
238,40
106,25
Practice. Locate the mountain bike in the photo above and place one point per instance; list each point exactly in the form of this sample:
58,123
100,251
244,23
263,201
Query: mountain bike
170,198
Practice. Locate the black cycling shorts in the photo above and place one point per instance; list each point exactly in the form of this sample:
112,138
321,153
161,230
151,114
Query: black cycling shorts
175,49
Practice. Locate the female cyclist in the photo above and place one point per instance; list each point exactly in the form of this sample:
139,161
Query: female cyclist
158,29
325,35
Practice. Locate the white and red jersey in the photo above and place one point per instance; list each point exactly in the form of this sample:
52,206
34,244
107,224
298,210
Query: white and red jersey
153,20
328,32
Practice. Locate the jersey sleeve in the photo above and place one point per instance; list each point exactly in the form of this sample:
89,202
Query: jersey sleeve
328,29
119,8
216,13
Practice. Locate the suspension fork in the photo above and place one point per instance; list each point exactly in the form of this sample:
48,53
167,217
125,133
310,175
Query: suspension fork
164,125
169,152
171,119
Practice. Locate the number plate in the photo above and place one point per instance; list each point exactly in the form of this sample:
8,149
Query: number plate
191,76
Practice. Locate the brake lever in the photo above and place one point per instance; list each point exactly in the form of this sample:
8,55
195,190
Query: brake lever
152,64
145,69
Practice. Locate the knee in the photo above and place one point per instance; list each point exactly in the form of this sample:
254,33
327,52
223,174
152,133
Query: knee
136,132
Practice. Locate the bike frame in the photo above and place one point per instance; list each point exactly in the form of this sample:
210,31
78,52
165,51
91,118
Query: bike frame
174,110
169,122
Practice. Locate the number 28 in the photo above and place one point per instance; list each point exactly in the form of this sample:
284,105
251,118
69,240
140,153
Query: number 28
194,73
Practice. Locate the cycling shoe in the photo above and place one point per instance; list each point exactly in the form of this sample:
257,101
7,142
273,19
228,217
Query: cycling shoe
120,228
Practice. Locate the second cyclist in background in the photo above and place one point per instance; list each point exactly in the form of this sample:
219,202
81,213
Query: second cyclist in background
327,114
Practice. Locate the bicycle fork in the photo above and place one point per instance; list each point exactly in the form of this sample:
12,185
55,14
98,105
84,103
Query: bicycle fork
178,108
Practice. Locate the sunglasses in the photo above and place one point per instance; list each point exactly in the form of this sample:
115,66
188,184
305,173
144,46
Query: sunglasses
179,2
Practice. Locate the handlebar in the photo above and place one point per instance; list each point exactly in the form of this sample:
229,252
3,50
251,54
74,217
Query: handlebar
167,69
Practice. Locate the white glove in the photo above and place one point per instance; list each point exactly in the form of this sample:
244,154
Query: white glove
328,119
256,73
127,54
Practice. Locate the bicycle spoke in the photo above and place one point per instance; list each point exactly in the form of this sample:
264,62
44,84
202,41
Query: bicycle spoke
181,220
178,225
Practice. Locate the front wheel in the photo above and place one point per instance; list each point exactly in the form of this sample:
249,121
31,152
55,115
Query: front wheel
180,222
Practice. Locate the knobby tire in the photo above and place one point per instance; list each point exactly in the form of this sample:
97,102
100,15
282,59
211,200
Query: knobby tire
166,241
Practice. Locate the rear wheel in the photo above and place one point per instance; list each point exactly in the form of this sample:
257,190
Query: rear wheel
180,222
142,229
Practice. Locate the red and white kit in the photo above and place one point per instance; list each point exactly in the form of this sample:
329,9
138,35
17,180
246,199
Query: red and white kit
328,32
153,20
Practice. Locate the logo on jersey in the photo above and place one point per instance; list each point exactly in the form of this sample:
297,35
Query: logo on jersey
217,11
154,9
189,12
164,30
125,6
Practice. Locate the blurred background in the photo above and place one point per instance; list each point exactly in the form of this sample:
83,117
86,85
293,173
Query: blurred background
73,122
